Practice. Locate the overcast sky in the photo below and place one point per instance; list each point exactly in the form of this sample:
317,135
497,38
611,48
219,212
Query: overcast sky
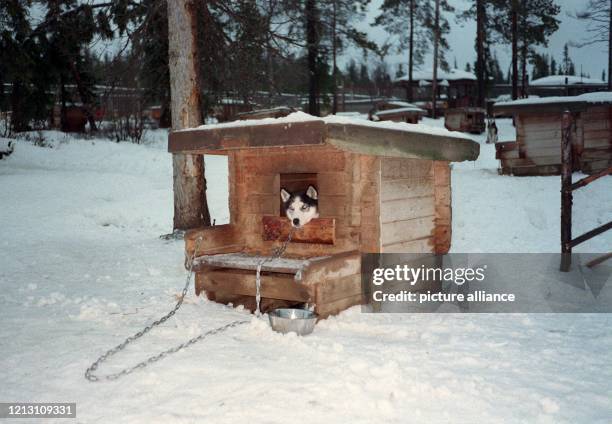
593,59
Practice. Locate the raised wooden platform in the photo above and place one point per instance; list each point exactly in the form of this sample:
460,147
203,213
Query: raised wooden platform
330,284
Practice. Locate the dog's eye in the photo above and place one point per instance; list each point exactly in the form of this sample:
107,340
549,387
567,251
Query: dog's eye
290,209
305,207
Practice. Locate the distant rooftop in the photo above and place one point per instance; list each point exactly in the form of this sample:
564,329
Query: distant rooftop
452,75
556,80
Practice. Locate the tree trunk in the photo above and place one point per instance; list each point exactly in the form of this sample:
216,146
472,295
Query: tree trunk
480,53
18,120
434,80
514,20
610,50
190,205
63,100
524,77
84,96
312,40
410,51
335,66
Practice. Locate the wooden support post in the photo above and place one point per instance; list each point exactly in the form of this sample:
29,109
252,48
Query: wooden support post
566,192
190,205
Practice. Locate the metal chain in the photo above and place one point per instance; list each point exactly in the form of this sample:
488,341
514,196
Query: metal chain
277,254
89,373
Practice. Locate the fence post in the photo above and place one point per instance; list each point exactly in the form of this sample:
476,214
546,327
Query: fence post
566,191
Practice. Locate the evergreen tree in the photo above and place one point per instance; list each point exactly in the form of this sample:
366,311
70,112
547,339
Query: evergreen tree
532,23
539,64
406,21
568,64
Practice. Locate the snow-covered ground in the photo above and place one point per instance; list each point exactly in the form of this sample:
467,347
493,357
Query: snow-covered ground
82,267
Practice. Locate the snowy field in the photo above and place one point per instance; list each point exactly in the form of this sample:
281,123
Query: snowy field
82,267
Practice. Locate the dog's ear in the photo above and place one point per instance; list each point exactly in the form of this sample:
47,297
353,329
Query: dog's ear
312,192
285,195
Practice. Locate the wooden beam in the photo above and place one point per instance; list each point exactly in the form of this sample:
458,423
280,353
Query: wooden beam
380,141
244,134
599,260
214,240
537,109
320,230
587,180
590,234
566,192
243,283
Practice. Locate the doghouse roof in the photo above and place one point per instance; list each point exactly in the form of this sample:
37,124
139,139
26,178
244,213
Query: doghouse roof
392,139
555,103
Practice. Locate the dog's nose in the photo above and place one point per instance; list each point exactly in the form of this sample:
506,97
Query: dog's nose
296,221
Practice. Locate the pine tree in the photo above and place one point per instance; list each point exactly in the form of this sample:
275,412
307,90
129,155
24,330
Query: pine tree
406,20
532,22
338,19
568,64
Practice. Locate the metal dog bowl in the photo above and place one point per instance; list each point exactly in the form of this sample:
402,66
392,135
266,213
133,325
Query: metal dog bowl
287,320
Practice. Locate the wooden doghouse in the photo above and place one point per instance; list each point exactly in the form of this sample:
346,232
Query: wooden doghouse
465,119
537,149
382,188
398,111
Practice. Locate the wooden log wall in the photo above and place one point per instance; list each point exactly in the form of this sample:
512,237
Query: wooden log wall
597,135
346,183
539,141
408,205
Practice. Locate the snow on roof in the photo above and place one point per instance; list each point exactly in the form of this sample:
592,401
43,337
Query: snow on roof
400,110
561,80
591,98
452,75
398,126
289,119
399,103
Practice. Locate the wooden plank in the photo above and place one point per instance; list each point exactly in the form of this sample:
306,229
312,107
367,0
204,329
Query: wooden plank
412,229
332,308
250,262
239,282
424,245
240,136
587,180
399,168
380,141
297,160
442,232
333,267
589,234
405,209
320,230
218,239
405,188
338,288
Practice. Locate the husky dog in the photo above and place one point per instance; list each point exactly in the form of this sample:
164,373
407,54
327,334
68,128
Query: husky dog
302,207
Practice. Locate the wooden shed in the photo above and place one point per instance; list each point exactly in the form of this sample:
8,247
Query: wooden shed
398,111
465,119
537,149
382,187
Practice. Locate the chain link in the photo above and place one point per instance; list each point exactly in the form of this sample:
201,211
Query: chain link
89,373
277,254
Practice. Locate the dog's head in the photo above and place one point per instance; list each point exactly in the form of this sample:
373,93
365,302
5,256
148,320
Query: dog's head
302,207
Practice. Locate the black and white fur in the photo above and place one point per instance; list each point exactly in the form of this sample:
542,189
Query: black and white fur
301,207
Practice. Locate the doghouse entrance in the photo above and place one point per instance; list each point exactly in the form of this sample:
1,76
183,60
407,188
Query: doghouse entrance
296,182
